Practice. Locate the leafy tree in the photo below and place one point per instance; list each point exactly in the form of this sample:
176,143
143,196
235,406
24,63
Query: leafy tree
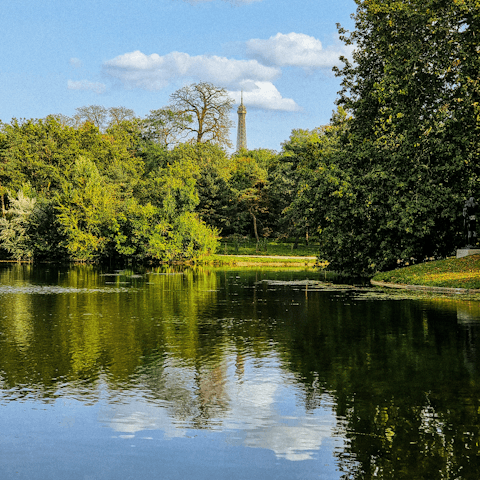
410,154
210,166
87,211
15,227
248,182
293,176
167,126
43,151
205,109
94,199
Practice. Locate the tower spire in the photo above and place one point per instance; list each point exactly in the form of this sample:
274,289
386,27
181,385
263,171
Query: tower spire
241,129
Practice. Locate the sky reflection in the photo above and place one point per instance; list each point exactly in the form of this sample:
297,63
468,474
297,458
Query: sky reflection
259,409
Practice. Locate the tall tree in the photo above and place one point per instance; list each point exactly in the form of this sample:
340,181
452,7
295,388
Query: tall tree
209,108
249,187
95,114
101,116
166,126
410,155
117,115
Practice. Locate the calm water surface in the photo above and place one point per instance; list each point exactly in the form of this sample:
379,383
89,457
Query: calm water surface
232,374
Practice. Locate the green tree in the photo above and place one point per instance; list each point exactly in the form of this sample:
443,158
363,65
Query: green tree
43,151
15,227
248,184
87,211
410,154
167,126
210,166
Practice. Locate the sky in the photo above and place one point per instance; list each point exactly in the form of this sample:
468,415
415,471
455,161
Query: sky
59,55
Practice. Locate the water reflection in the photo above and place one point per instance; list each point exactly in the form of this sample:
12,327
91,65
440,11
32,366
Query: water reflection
385,385
257,410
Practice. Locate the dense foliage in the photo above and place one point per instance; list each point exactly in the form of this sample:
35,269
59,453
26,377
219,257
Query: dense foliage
383,184
81,194
410,155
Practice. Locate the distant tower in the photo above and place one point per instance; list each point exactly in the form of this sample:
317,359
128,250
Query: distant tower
242,129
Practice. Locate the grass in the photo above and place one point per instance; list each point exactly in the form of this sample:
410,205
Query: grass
452,272
239,251
266,247
239,260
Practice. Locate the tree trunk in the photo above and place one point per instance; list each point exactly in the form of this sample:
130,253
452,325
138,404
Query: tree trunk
3,205
255,226
295,245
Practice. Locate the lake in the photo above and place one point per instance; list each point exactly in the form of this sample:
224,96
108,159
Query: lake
198,373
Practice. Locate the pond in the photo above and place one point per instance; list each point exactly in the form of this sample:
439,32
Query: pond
199,373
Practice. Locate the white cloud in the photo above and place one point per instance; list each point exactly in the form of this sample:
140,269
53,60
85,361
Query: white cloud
96,87
75,62
154,72
264,95
296,49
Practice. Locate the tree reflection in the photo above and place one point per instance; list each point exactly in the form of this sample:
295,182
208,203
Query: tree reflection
401,376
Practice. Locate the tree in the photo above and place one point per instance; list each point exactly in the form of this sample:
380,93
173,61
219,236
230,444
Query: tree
208,107
410,155
248,184
166,126
297,177
15,227
120,114
90,197
102,117
95,114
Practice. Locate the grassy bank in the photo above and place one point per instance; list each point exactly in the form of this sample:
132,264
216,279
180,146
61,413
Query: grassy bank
452,273
249,246
270,260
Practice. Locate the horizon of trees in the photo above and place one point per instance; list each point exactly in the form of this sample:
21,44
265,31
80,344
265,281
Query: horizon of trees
382,185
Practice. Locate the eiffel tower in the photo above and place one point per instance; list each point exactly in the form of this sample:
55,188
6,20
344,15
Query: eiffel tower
242,129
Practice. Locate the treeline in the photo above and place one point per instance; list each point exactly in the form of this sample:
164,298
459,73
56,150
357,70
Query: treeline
78,193
383,184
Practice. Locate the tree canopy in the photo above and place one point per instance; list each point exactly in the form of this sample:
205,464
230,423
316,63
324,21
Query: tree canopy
410,153
381,185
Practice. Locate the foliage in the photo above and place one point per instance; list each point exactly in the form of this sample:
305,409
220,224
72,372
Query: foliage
248,182
100,196
15,227
298,177
98,224
167,126
102,117
43,151
410,154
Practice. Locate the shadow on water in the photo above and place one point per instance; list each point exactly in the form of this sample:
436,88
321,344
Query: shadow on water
289,361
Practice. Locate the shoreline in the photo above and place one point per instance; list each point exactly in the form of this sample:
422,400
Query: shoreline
425,288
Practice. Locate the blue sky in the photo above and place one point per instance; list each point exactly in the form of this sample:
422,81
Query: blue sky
57,55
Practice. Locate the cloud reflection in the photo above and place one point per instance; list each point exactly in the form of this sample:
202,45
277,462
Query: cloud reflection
249,407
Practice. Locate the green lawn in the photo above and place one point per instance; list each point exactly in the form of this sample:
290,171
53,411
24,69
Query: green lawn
240,260
250,247
452,272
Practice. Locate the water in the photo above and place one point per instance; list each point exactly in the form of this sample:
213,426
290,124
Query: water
232,374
